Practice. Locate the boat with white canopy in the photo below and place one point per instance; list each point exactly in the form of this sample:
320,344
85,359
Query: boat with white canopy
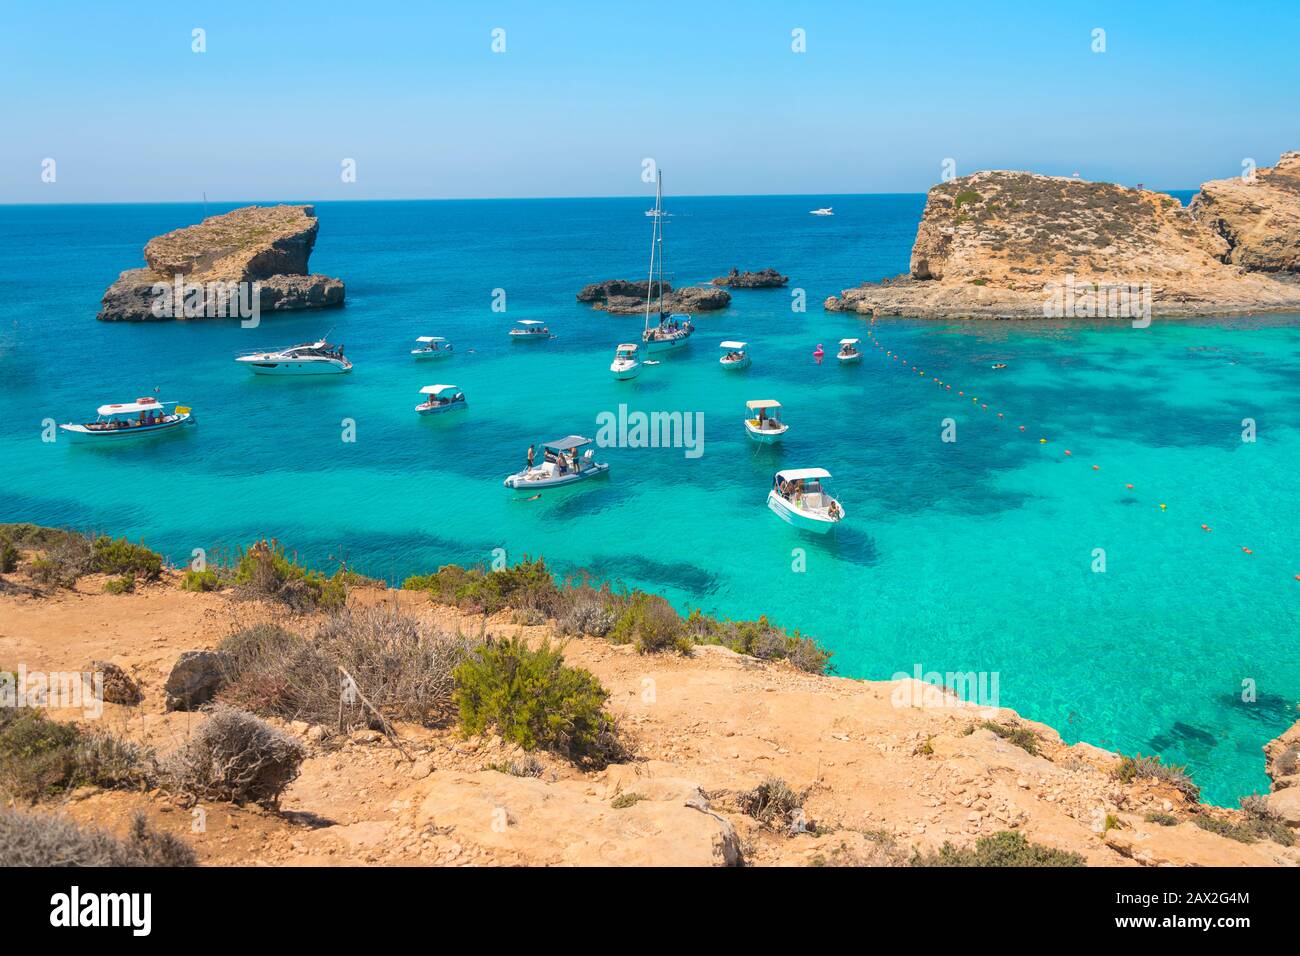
530,330
441,398
625,364
799,497
673,330
310,358
431,347
763,423
563,463
849,351
734,356
144,416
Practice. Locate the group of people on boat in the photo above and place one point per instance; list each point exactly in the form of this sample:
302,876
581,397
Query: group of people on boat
733,356
794,490
153,416
564,461
848,349
668,328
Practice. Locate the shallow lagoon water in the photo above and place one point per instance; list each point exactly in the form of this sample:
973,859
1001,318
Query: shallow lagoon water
968,556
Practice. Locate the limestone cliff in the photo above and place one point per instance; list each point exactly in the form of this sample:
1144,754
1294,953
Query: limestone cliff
1002,244
266,245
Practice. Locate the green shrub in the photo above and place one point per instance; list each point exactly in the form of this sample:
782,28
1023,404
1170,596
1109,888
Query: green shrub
65,558
1164,819
1007,848
1131,769
625,800
34,536
965,196
8,557
528,586
528,766
40,757
1022,737
119,556
650,624
531,698
760,639
1258,822
30,839
206,580
265,571
122,585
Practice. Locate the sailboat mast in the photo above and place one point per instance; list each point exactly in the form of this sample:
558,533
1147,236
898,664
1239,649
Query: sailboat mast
659,233
654,247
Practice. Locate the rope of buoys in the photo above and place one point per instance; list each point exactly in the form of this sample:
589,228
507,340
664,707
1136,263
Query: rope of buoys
984,406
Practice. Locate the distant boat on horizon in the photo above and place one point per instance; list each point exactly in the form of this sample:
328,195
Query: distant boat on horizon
824,211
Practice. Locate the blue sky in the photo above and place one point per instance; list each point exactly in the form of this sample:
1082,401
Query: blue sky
584,91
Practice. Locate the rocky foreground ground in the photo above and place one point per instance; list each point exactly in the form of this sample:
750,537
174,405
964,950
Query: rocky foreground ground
268,245
887,770
1007,245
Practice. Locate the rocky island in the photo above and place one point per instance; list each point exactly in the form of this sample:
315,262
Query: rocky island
621,297
215,265
762,279
1016,245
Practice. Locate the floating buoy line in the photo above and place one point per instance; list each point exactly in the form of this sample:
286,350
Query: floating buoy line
947,387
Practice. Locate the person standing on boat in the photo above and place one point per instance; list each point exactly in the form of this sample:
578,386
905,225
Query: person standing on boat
531,449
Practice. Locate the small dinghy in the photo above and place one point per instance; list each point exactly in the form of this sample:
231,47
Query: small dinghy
442,398
799,498
431,347
848,353
116,423
561,465
734,356
625,364
764,423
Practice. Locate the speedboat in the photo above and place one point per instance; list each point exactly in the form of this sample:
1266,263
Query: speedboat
561,465
799,498
734,356
431,347
442,398
763,423
625,364
310,358
824,211
848,352
530,330
144,416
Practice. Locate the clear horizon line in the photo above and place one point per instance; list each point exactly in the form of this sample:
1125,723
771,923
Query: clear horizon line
245,201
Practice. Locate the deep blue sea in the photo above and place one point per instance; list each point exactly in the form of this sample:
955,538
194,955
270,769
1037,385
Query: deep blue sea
974,555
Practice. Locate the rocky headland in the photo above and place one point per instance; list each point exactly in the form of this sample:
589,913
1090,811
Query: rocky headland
621,297
1017,245
264,245
729,759
762,279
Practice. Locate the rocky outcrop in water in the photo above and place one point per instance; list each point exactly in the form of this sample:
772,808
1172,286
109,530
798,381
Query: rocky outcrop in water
205,264
1001,244
621,297
762,279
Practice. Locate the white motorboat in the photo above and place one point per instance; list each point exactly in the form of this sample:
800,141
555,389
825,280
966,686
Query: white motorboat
530,330
675,330
799,497
625,364
144,416
849,352
310,358
824,211
561,465
763,423
441,398
734,356
431,347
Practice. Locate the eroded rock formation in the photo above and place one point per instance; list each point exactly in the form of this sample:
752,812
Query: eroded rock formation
621,297
762,279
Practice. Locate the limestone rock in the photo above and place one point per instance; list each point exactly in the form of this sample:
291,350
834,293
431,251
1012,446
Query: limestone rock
1258,217
195,679
119,688
762,279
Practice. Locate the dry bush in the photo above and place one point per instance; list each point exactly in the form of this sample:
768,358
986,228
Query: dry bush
31,839
774,804
234,757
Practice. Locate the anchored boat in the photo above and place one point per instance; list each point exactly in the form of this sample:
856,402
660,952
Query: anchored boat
764,423
848,352
530,330
431,347
675,330
442,398
734,356
144,416
799,498
310,358
561,465
625,364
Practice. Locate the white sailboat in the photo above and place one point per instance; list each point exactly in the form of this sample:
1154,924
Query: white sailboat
672,331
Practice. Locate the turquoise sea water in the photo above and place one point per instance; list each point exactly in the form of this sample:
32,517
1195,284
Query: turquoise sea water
966,556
